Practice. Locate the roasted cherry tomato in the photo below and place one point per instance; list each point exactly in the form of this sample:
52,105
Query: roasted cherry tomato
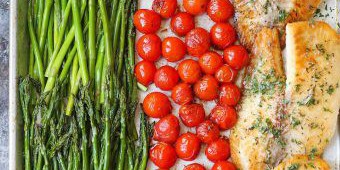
167,129
206,88
220,10
188,146
222,35
230,94
166,78
191,114
197,41
207,131
224,117
223,165
173,49
182,94
236,56
218,150
210,62
195,7
147,21
182,23
194,166
149,47
189,71
226,74
163,155
156,105
165,8
145,72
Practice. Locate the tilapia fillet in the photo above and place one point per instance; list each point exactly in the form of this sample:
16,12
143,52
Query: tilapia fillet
312,91
252,15
289,117
255,140
303,162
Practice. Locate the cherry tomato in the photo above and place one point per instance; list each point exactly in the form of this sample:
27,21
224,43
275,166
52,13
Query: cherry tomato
188,146
147,21
173,49
224,117
197,41
165,8
145,72
163,155
149,47
236,56
194,166
206,88
189,71
156,105
195,7
223,165
226,74
192,114
167,129
182,23
222,35
166,78
207,131
220,10
218,150
230,95
210,62
182,94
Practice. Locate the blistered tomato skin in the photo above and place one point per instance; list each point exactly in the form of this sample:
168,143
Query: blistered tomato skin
210,62
166,78
145,72
188,146
192,114
182,94
182,23
147,21
207,132
230,95
223,165
167,129
149,47
157,105
165,8
189,71
224,117
197,41
218,150
222,35
220,10
194,166
236,56
173,49
195,7
163,155
206,88
226,74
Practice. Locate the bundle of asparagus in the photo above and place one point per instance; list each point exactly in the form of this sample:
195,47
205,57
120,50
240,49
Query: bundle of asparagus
79,98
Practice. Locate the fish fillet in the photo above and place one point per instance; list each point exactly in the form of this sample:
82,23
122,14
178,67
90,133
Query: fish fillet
256,138
312,87
252,15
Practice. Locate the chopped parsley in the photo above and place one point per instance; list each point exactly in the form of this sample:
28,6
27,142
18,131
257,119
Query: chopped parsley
295,122
294,166
282,15
330,90
312,154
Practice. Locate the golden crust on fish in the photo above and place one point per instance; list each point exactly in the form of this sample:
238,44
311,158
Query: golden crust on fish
252,15
303,162
252,145
312,87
